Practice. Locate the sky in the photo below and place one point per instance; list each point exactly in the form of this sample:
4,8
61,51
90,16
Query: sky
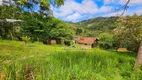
78,10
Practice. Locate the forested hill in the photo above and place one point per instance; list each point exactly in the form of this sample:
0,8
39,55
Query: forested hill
93,26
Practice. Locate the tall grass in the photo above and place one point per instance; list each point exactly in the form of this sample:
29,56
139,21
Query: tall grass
54,63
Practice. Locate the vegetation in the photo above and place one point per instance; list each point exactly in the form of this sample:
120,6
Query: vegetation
106,40
114,32
53,62
37,26
7,29
95,26
41,28
130,32
21,60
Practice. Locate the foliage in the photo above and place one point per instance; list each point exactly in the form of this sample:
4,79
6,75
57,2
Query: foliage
42,28
15,9
44,5
126,31
26,39
93,27
106,40
79,31
130,32
7,29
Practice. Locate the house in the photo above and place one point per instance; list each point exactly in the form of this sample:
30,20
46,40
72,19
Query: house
17,28
61,42
51,41
122,50
87,42
11,20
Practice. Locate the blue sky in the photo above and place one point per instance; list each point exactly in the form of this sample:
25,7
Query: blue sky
78,10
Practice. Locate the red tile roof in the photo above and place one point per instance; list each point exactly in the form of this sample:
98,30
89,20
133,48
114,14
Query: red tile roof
86,40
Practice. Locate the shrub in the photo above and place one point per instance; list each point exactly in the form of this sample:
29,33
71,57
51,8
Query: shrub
106,40
26,39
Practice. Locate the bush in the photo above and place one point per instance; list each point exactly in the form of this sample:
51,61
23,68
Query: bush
106,40
26,39
0,38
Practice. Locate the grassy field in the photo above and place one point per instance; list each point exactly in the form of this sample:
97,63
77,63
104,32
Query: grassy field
46,62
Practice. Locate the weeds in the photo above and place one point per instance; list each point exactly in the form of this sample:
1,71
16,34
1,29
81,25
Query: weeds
54,63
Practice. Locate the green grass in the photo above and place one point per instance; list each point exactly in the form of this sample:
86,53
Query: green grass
53,62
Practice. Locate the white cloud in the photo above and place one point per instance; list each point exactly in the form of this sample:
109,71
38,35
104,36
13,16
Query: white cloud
89,6
109,1
72,10
132,2
8,2
0,2
138,11
113,14
122,2
74,17
71,6
105,9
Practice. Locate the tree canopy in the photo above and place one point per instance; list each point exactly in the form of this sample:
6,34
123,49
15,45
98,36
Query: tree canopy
40,27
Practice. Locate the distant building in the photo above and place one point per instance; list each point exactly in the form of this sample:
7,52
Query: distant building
10,20
17,28
87,42
61,42
52,42
122,49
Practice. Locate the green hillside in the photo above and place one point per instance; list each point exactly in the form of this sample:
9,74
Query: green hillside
93,27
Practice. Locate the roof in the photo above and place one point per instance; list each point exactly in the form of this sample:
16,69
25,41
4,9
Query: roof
86,40
122,49
10,20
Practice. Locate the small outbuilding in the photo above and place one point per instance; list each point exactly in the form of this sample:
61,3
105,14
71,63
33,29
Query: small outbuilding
52,42
122,49
60,42
87,42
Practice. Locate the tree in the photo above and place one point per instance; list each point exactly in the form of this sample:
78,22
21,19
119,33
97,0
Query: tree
128,33
106,40
13,9
44,5
131,32
40,28
7,29
139,56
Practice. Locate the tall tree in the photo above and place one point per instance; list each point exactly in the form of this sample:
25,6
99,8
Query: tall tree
131,33
44,5
12,9
7,28
139,56
39,27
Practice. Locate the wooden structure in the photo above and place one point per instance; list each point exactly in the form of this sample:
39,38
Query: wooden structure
122,49
87,42
51,41
61,42
10,20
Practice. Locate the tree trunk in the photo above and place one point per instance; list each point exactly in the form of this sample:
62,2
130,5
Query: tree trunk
139,57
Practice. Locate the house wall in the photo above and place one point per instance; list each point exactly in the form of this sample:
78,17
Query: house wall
94,45
52,41
83,46
61,42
